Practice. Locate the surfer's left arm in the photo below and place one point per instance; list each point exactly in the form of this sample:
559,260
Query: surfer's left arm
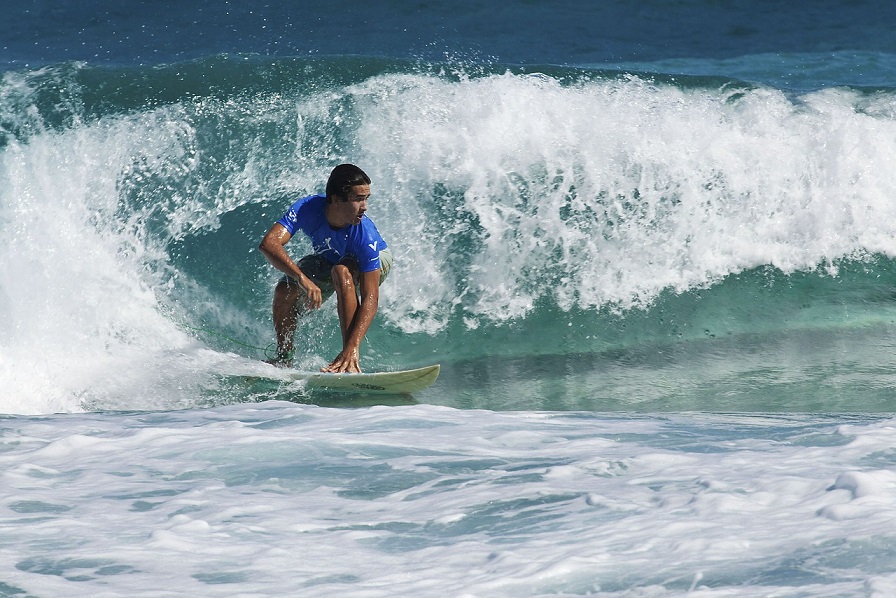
348,358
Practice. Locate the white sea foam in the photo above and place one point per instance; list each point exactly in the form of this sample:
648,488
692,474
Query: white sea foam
283,500
609,191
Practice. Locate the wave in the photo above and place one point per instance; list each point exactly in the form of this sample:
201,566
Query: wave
531,212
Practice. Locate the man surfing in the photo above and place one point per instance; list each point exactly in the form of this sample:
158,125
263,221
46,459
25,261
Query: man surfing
349,257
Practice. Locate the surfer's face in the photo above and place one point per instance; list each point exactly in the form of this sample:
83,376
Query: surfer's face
351,208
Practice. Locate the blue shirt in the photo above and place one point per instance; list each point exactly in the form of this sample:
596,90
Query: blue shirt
361,241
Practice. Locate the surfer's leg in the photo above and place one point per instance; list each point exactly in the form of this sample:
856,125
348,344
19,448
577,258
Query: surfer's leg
346,281
346,295
289,304
286,317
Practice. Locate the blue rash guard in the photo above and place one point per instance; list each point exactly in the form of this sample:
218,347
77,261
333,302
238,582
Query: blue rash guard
361,242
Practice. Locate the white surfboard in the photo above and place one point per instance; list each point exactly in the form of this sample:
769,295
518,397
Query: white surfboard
400,382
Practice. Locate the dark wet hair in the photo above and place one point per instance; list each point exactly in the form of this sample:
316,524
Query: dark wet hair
343,178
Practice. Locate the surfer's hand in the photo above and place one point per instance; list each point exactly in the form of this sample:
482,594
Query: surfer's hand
346,361
313,296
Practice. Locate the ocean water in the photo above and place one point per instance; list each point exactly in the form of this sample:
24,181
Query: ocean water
653,246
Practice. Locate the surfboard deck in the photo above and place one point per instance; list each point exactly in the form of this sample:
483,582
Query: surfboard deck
400,382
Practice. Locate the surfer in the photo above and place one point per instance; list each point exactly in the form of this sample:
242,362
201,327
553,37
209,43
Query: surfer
349,258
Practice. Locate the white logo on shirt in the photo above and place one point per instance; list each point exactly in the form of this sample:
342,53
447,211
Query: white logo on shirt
373,245
330,247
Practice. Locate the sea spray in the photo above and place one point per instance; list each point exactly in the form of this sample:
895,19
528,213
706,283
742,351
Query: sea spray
607,192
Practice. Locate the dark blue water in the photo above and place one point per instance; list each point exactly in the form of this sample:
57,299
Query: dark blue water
38,32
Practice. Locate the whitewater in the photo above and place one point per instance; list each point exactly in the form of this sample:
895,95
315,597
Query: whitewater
291,500
657,265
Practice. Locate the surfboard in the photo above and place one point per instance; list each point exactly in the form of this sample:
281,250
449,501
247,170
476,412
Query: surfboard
400,382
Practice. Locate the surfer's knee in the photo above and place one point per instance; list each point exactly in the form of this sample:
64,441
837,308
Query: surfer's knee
343,278
285,293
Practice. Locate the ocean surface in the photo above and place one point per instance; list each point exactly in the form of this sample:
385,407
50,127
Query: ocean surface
652,245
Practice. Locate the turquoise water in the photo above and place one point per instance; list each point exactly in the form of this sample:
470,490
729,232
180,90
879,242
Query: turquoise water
652,248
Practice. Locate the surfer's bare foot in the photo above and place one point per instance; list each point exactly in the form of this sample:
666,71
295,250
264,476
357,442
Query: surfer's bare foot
280,363
283,359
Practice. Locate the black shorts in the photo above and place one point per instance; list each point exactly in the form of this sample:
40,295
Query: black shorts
317,268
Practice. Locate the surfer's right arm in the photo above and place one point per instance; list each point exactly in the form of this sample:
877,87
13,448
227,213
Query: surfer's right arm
272,246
